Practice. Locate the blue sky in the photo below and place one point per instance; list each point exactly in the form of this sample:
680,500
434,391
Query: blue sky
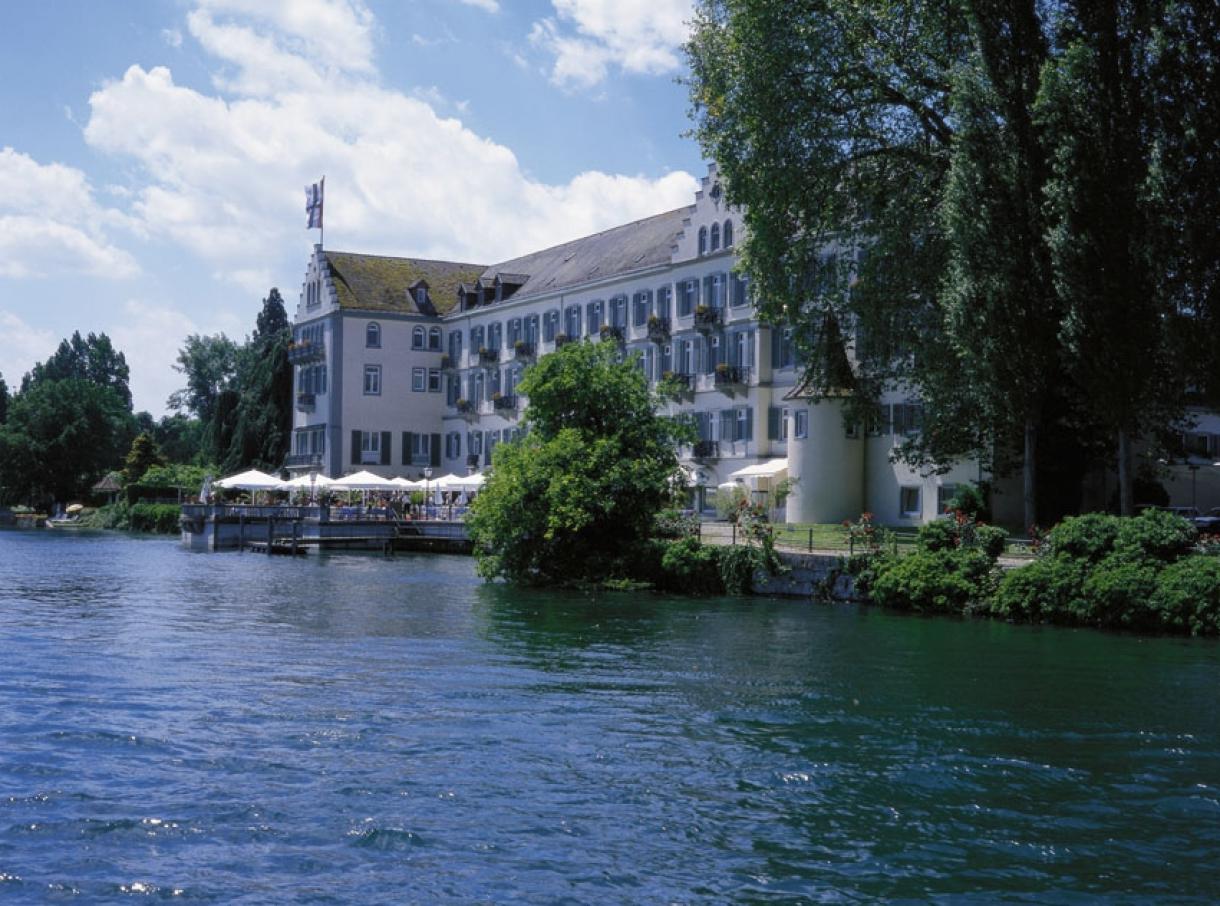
153,154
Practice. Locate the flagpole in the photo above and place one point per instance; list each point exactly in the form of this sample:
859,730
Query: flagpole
322,218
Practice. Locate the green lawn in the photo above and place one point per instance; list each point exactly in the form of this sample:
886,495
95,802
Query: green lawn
832,536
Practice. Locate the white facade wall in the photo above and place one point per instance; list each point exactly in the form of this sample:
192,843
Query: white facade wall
837,473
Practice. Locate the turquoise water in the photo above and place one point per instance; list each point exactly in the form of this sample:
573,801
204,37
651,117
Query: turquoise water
237,728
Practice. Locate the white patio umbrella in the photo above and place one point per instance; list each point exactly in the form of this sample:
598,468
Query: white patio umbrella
468,482
406,484
363,481
303,482
253,480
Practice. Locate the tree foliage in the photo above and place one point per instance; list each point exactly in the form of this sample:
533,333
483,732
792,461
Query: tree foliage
573,497
3,400
1004,206
143,455
92,359
61,436
240,394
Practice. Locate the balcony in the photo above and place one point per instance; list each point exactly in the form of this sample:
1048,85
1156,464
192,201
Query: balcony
505,404
303,351
466,407
523,350
303,461
676,383
306,402
489,356
706,449
612,332
562,339
728,377
447,363
707,318
658,329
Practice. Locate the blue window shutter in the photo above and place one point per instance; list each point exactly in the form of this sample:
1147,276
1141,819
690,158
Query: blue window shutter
750,423
385,447
773,417
406,448
355,448
435,450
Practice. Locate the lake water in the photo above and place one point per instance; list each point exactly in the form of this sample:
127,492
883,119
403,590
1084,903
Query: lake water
237,728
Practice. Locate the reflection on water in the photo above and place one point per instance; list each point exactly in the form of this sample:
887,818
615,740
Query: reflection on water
358,729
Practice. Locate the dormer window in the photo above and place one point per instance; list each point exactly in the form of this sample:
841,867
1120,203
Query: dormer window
702,240
372,335
715,236
421,296
728,234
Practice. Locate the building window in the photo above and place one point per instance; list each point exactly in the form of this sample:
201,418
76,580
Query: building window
550,325
661,309
728,234
781,348
419,379
372,336
715,236
434,338
434,380
455,347
421,449
418,338
738,295
494,333
454,391
453,445
908,501
800,427
745,424
687,291
474,443
639,309
370,447
945,493
907,418
702,240
372,380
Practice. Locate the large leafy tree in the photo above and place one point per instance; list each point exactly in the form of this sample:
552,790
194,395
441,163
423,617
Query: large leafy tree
262,418
1096,110
832,124
91,358
210,366
60,437
1002,314
3,401
573,498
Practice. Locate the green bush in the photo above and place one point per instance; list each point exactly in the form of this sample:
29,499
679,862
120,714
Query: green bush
1050,589
971,500
161,518
1156,534
1089,537
938,535
990,539
737,565
689,566
1187,597
1118,593
947,581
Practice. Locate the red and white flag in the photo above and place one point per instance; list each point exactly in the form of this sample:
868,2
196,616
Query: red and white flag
313,204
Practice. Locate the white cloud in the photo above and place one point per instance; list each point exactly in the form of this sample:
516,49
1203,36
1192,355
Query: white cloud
491,6
224,176
588,37
50,222
149,336
172,37
21,346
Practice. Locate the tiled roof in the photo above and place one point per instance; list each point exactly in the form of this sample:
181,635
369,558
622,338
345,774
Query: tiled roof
632,246
380,283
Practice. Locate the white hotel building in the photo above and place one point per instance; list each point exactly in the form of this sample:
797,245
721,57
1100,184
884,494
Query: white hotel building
403,363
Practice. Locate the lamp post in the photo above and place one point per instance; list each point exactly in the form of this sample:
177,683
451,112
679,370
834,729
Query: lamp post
700,489
427,478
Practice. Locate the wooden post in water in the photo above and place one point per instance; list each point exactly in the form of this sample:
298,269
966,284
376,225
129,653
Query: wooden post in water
270,533
296,531
241,531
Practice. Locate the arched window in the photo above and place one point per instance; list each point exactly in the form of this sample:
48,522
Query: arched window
372,335
728,234
715,236
434,338
418,338
702,240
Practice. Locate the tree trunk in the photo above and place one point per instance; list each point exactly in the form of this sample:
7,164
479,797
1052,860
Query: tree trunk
1030,474
1126,480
